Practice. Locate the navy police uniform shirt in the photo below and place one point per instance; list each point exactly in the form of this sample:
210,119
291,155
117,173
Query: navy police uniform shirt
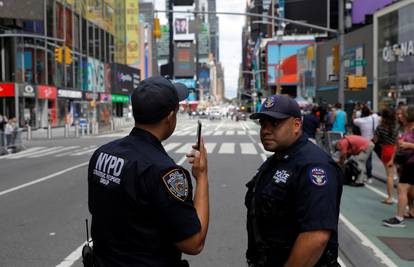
140,201
297,191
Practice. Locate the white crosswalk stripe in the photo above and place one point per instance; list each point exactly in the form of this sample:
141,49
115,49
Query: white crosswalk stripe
25,152
185,148
252,132
75,151
248,148
227,148
53,152
218,133
85,152
18,155
183,133
207,133
241,132
230,133
170,146
210,147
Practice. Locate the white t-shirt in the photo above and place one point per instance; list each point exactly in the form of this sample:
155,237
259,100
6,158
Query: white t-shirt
365,125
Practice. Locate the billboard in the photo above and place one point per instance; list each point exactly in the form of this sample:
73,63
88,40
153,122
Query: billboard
124,79
95,75
361,8
120,33
299,10
277,52
184,54
181,24
22,9
132,32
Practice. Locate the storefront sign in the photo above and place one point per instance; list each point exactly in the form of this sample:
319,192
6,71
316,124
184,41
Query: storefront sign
120,98
91,96
124,79
46,92
6,89
69,93
105,97
391,53
27,90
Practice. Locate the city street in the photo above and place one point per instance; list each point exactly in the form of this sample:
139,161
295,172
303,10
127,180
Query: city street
43,192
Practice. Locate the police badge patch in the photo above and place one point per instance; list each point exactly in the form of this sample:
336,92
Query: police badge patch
176,183
318,176
270,102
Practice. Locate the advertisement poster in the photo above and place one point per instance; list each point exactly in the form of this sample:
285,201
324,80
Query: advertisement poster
95,75
120,33
132,32
124,79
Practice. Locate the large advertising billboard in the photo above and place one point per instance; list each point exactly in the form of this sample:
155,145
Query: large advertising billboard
95,75
181,23
124,79
277,52
132,32
184,65
22,9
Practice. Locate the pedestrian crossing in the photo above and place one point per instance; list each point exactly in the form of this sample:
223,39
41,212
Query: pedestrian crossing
223,148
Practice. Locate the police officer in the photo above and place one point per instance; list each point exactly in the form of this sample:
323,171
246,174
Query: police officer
293,200
141,201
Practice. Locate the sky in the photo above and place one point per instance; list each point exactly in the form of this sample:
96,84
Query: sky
230,40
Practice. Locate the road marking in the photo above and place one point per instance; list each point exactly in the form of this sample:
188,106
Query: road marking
227,148
84,152
75,151
185,148
182,160
183,133
248,148
170,146
263,155
379,192
341,262
230,133
207,133
18,156
251,132
218,126
53,152
27,151
72,257
218,133
366,242
210,147
241,133
50,176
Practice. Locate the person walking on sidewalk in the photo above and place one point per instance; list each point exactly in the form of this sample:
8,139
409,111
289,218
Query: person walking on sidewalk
367,124
405,146
386,136
339,119
358,148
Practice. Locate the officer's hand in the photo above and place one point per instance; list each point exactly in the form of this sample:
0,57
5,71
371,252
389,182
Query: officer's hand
198,158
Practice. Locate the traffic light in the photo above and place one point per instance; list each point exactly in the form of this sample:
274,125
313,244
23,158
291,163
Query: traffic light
157,28
58,54
68,56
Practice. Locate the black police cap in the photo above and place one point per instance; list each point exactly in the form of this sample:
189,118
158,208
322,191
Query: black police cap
278,107
155,98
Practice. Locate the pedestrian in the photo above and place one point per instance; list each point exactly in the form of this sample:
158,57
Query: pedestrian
406,149
293,200
386,136
9,132
329,118
367,124
141,201
359,148
339,119
311,124
2,122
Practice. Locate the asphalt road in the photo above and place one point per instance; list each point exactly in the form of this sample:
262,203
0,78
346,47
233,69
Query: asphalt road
43,194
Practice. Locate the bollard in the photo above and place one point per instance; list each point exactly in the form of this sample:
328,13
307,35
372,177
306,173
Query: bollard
112,128
82,129
66,132
76,130
29,133
88,128
49,131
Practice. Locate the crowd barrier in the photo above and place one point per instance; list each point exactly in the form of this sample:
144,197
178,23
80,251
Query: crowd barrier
11,143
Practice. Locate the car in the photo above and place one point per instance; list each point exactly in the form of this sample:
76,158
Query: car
214,115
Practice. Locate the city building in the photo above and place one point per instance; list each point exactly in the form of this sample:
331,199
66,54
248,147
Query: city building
58,61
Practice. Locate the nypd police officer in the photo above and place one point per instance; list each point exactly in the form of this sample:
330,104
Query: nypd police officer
293,200
141,201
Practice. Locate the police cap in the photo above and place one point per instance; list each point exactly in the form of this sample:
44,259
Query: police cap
278,107
155,98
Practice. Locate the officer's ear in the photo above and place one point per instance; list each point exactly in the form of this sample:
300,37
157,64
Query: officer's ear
171,116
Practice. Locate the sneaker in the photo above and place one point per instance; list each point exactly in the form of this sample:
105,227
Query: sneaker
393,222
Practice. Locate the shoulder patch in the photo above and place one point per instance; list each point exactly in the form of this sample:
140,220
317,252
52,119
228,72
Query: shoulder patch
176,183
318,176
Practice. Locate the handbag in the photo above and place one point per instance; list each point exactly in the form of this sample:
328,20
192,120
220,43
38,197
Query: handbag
378,146
402,156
